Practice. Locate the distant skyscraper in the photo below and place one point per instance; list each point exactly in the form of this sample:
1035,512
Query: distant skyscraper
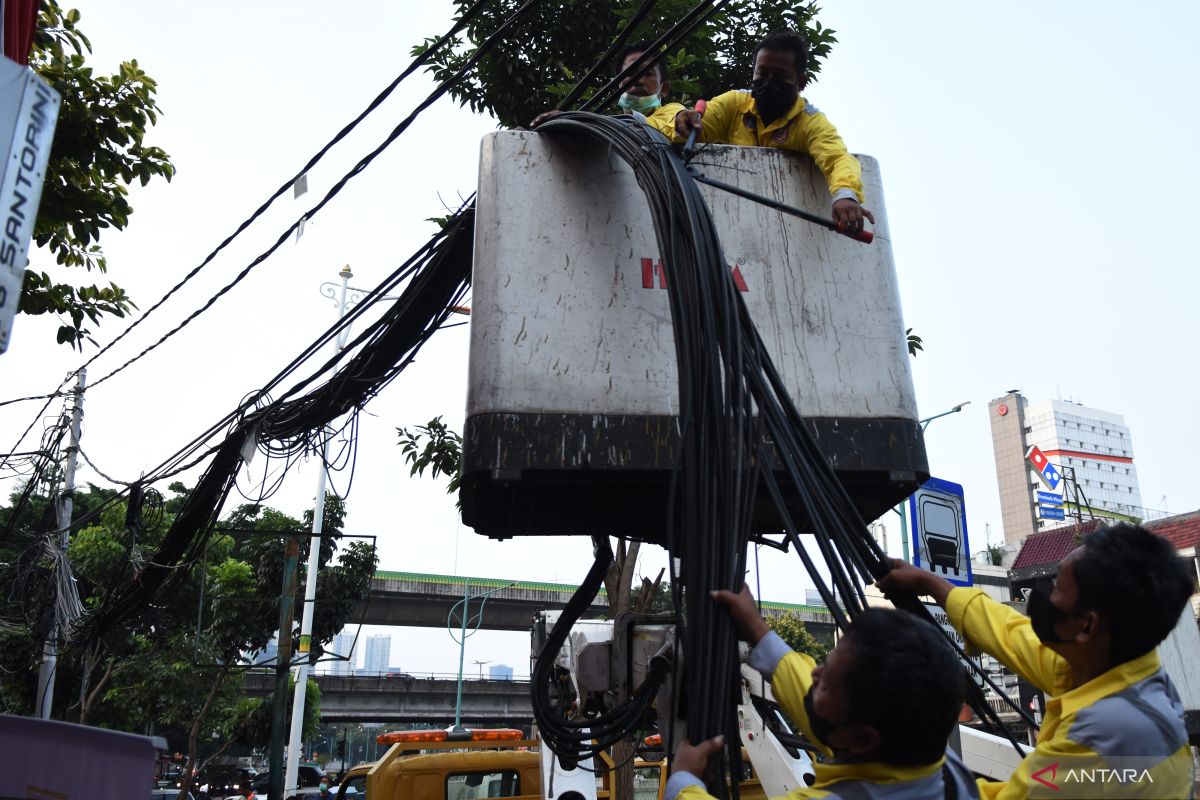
500,672
344,645
1091,446
379,652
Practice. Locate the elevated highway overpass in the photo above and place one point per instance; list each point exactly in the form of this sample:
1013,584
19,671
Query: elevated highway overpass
357,698
414,599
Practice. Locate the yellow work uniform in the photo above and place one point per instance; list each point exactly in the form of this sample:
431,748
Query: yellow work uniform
662,119
1120,734
733,118
791,678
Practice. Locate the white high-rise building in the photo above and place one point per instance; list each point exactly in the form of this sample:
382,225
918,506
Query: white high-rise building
1091,448
379,653
343,644
1096,445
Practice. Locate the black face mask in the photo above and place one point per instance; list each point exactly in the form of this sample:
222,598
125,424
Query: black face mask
773,96
1044,615
822,728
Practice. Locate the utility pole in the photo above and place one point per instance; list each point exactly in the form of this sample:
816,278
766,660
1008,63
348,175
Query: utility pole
291,555
310,581
45,690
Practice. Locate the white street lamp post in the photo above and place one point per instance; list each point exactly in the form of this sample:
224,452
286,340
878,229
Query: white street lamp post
292,771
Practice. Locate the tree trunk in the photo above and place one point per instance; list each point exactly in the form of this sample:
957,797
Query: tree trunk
194,736
618,583
89,699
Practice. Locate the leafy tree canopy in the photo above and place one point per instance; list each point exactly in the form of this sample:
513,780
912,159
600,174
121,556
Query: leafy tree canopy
99,150
791,629
540,59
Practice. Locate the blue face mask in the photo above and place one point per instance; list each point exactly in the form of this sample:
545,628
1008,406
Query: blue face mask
642,105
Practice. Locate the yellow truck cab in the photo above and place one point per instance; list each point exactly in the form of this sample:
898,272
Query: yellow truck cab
431,765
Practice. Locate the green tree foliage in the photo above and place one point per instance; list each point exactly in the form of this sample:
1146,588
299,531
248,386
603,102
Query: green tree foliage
433,446
99,150
791,629
252,718
541,58
915,342
156,672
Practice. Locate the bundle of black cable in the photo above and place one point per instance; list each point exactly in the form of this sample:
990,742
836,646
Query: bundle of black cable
717,471
736,418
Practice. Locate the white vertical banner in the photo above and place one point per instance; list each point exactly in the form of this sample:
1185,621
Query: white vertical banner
28,113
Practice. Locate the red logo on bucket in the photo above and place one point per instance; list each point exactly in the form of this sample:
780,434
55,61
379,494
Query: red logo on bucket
1053,770
652,269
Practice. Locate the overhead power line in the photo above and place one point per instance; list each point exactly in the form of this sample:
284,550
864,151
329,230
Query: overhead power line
413,66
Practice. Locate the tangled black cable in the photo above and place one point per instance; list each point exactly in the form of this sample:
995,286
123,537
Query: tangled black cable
580,737
438,275
421,59
438,92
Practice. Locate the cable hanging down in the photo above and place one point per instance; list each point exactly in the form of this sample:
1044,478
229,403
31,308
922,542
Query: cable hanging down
739,430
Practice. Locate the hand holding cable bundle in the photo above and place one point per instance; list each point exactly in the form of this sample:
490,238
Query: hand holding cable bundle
751,627
693,120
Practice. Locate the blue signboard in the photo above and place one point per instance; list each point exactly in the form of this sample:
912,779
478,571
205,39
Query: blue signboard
1049,498
939,531
1051,512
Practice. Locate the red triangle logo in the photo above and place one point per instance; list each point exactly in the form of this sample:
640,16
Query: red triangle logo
1053,770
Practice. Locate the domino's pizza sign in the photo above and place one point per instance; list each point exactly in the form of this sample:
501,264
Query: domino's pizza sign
939,531
1044,469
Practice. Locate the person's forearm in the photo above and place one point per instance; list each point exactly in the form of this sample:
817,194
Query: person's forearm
938,588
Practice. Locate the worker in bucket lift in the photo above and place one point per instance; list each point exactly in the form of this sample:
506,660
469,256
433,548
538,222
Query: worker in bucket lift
644,94
880,709
1113,725
773,114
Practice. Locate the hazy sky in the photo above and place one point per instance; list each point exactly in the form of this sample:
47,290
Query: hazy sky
1039,164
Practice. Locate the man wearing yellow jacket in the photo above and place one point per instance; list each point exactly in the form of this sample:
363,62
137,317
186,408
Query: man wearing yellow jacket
644,95
880,709
773,114
1114,722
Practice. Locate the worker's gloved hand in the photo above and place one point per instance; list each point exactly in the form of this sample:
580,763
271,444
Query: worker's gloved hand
848,215
687,121
905,577
750,625
693,758
545,115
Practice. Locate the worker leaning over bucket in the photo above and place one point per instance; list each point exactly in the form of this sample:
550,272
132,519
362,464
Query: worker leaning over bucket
880,709
773,114
1113,724
643,95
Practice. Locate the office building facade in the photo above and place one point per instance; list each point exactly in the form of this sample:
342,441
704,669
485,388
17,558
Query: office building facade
1090,449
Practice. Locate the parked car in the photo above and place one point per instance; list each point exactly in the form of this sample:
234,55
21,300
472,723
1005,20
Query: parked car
222,780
